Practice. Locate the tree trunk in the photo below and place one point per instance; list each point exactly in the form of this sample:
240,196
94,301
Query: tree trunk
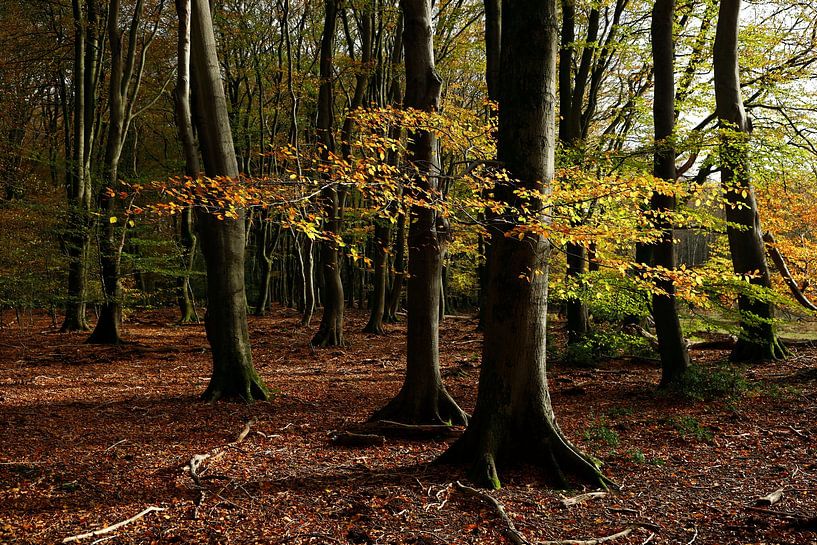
757,340
187,238
222,240
514,420
77,239
422,399
121,98
192,167
671,343
330,331
382,235
396,293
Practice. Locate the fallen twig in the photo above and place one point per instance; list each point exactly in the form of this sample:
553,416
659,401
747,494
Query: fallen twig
593,541
196,461
581,498
350,439
113,527
770,499
510,530
388,427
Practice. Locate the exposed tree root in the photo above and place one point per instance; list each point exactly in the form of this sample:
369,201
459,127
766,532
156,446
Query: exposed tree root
745,350
375,328
486,443
411,406
247,389
325,338
414,431
516,538
509,530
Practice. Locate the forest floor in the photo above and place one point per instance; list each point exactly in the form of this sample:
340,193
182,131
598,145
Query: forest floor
90,436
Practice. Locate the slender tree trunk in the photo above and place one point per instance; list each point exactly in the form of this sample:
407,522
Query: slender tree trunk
396,292
77,240
571,99
222,240
514,419
422,398
330,331
671,343
188,240
757,340
192,166
121,97
382,234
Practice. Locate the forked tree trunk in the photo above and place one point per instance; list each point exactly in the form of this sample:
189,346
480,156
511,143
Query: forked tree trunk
222,240
514,420
78,185
671,343
757,340
422,398
330,331
125,79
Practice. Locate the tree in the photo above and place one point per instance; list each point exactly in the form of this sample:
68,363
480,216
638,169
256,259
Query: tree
671,343
222,240
84,79
127,67
514,418
758,340
422,398
330,331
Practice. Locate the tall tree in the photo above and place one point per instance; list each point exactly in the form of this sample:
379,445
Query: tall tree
330,331
222,240
514,418
127,67
422,398
78,184
671,343
758,340
192,166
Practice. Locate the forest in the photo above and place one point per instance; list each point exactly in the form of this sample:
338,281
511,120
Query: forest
534,272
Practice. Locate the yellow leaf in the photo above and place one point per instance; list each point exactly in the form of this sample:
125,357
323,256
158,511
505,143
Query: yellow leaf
113,219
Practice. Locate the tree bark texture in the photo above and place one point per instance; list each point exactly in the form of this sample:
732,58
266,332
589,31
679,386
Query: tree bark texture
757,340
671,343
422,399
330,331
222,240
514,419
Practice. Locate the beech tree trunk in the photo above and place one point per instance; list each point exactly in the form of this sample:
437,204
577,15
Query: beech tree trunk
671,343
330,331
422,399
514,419
222,240
396,292
192,166
757,339
78,179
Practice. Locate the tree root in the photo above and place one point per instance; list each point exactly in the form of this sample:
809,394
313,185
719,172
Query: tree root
516,538
746,351
413,407
510,530
253,390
